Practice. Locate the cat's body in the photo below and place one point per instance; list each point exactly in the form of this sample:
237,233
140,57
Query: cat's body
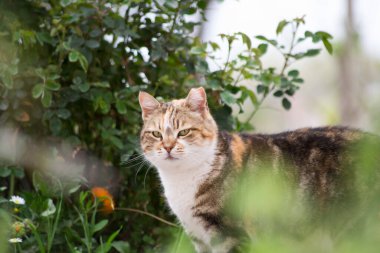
198,164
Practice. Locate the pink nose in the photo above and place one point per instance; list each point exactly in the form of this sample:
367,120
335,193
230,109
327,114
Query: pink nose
168,148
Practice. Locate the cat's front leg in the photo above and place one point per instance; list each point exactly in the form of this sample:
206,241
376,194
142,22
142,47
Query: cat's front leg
200,246
225,245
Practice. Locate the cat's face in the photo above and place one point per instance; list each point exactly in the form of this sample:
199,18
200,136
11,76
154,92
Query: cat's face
178,133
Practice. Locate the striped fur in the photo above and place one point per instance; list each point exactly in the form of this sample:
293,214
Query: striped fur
200,169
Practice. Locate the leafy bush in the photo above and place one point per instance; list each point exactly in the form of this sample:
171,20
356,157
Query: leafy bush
70,72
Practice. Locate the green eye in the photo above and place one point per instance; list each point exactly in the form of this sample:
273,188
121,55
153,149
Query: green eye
184,132
156,134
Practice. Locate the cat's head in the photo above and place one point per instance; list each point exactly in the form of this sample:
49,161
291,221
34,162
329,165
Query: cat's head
178,133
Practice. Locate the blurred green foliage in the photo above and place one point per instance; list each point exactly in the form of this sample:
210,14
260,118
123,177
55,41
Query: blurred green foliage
70,72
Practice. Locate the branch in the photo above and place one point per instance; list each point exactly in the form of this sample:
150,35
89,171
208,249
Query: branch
148,214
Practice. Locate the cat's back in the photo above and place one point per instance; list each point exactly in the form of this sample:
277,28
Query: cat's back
303,142
306,148
322,161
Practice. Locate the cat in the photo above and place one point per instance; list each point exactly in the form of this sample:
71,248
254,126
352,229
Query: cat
197,163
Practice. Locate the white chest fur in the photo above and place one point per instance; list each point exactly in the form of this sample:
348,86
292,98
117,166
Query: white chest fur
181,179
180,189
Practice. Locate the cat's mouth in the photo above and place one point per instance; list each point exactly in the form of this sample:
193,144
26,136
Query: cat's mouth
170,157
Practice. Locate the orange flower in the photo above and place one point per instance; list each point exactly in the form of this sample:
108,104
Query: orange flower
105,198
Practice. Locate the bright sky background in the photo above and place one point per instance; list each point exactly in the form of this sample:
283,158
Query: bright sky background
317,103
262,16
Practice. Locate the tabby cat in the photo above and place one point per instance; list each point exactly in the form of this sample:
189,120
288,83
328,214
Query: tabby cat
195,160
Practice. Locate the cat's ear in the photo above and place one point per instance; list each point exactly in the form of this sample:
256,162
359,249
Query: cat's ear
197,100
148,104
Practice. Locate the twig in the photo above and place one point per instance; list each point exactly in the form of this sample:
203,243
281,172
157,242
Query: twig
148,214
284,67
175,17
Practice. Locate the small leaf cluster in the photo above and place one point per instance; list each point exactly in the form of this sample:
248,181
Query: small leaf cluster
229,81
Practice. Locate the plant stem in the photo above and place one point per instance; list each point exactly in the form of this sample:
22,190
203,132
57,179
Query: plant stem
14,158
148,214
284,67
257,107
228,57
52,230
11,185
38,238
175,18
292,44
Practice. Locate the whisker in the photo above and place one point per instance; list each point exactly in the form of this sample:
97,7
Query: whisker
146,173
138,170
133,159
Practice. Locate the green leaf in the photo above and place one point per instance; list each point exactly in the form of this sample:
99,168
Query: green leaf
121,107
83,87
263,48
55,125
290,92
286,103
327,45
197,50
18,172
65,3
312,52
309,34
73,56
297,80
74,189
299,20
83,62
8,80
293,73
227,97
116,142
250,94
92,44
278,93
52,85
99,226
50,209
121,246
189,11
214,84
104,84
37,90
95,33
260,37
272,42
202,4
260,88
104,248
46,98
246,39
5,172
281,26
214,45
324,35
112,237
63,113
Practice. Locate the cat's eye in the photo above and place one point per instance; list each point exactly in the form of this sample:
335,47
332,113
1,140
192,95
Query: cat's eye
184,132
156,134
